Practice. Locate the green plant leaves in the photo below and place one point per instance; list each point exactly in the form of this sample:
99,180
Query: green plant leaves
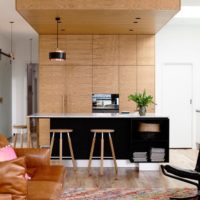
141,99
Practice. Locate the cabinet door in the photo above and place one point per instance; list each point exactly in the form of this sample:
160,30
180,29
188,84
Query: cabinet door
105,79
79,80
127,86
105,50
79,50
127,50
145,50
51,88
146,80
79,103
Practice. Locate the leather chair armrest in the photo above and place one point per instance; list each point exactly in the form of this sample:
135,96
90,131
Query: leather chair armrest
5,197
34,157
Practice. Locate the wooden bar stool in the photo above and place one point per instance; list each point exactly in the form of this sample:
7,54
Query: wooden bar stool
61,132
20,130
102,132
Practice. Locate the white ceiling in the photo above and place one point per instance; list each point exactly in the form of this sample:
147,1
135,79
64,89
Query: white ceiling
21,29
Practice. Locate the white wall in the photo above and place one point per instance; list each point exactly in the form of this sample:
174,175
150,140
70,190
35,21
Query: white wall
19,83
179,44
5,88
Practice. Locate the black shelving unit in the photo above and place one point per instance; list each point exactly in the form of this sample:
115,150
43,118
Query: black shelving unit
148,140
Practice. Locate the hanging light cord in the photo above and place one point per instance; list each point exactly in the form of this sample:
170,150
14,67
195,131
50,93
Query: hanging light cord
11,38
58,21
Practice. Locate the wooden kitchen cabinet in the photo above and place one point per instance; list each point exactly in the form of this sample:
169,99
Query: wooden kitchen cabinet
79,103
105,50
127,86
79,80
145,50
105,79
51,88
127,50
79,50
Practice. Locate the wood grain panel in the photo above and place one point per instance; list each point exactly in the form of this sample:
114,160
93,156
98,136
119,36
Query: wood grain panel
127,50
127,86
105,50
44,132
105,79
145,50
47,43
79,50
79,103
52,81
146,80
103,4
79,80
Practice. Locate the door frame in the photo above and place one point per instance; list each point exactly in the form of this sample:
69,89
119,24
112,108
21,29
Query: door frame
192,94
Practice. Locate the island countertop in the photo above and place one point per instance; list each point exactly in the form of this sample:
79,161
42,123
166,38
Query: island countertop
95,115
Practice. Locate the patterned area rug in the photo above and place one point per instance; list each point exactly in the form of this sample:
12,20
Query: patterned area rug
126,194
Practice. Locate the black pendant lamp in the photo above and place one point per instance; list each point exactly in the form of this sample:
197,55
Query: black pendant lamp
58,55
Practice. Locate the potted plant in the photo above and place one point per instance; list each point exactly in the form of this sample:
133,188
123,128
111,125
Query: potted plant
142,100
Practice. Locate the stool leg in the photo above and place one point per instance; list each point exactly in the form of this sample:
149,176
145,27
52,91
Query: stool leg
113,153
102,153
22,138
14,140
71,151
52,143
91,152
60,146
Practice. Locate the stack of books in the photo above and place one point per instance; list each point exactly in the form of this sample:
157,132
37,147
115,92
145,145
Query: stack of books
157,154
140,156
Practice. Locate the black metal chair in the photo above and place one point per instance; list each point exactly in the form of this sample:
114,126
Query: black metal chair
185,175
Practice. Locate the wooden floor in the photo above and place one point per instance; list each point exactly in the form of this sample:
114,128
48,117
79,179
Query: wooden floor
131,178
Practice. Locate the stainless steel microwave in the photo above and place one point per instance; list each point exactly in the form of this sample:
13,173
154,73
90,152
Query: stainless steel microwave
105,103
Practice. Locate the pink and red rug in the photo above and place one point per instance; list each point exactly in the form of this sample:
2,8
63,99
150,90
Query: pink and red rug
125,194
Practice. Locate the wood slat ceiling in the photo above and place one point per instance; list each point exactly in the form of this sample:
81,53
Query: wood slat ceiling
102,18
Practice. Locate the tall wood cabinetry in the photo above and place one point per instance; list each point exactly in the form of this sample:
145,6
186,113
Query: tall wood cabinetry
121,64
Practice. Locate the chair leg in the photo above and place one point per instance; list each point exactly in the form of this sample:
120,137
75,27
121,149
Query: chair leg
71,151
113,154
91,153
61,150
52,143
14,140
102,154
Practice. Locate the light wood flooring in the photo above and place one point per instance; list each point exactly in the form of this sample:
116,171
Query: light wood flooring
131,178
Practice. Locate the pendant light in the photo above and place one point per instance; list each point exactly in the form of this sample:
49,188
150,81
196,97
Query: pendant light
11,38
57,55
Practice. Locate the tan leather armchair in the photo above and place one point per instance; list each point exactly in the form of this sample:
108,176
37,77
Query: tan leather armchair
46,181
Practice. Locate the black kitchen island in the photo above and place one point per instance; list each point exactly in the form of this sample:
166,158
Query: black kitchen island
127,138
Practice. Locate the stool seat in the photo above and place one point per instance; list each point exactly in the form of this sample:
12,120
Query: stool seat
61,130
102,130
20,126
19,130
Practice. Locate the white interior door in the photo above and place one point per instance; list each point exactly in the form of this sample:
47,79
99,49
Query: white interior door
177,103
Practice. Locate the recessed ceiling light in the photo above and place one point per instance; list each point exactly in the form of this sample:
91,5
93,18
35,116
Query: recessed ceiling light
189,12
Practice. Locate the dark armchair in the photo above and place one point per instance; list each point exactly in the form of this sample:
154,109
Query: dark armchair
185,175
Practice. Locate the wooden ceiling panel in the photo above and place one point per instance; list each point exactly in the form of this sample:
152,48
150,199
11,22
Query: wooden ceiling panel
99,21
